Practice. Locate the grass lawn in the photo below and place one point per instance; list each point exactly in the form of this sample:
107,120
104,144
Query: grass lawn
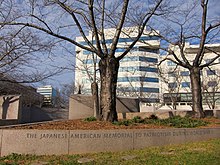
198,153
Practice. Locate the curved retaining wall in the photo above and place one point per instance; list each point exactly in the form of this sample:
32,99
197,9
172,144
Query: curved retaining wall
58,142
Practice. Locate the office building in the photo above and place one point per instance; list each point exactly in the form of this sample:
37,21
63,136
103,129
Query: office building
49,94
175,82
138,73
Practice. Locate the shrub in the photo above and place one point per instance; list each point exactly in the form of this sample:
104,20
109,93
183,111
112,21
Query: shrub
183,122
16,157
154,117
137,119
90,119
176,121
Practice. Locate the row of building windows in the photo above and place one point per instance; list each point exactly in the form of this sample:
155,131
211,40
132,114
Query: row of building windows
139,89
137,68
137,79
174,74
183,85
126,59
141,49
131,79
187,97
140,58
131,39
131,89
187,84
186,73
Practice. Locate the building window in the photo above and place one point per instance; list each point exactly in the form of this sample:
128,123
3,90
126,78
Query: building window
184,73
131,39
149,79
148,59
129,69
128,79
136,79
171,63
145,49
172,85
136,58
90,61
150,90
185,84
131,58
211,72
208,60
212,83
148,69
139,89
86,52
171,74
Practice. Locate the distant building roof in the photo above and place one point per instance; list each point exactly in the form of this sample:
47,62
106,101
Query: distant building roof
11,87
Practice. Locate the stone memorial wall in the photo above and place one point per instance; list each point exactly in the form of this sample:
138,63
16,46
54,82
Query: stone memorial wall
48,142
9,107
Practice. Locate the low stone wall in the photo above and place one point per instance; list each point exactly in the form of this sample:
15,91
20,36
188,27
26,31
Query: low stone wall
41,142
8,122
81,106
163,114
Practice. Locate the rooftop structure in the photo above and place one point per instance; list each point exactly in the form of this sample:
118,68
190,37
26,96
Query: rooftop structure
11,87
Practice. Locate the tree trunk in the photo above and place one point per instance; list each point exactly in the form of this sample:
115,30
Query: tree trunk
95,96
108,74
196,92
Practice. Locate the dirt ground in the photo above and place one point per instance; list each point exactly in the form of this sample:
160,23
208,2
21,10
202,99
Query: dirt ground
96,125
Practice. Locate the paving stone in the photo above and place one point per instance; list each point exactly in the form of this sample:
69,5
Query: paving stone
128,157
40,163
171,152
85,160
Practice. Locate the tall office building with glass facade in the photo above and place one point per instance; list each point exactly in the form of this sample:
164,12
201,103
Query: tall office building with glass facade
49,94
138,73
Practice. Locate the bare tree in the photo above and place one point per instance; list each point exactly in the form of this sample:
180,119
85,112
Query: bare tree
65,93
93,78
211,89
190,23
95,16
173,81
19,58
172,86
22,51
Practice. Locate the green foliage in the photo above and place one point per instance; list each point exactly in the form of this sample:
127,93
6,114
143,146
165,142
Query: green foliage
154,117
183,122
17,157
123,122
137,119
89,119
176,121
